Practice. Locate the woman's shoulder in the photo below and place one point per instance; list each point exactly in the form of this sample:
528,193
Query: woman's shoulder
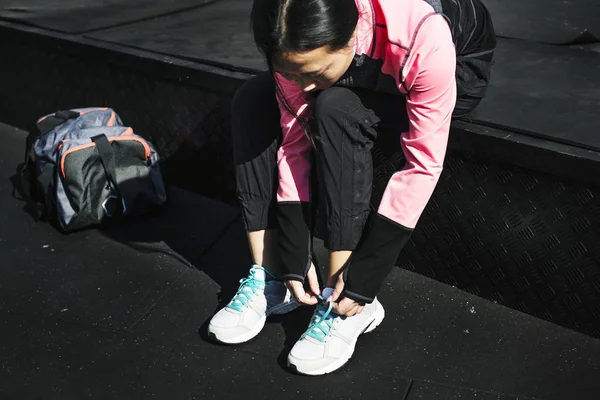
403,19
408,32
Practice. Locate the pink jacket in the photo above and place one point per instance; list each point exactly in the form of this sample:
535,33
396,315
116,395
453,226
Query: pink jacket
415,44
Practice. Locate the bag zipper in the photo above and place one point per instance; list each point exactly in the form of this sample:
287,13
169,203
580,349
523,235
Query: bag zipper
110,123
125,136
80,114
112,119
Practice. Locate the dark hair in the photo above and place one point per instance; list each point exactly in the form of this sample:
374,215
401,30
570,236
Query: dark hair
285,26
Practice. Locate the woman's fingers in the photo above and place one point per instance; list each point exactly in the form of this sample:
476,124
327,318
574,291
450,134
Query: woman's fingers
347,307
313,281
337,289
297,289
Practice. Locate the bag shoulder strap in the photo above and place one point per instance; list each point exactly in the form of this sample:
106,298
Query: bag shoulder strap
26,181
26,174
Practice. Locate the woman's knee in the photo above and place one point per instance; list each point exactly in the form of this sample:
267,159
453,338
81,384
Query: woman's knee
339,113
256,93
335,102
255,126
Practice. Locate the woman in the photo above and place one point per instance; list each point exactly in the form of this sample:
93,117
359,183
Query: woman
343,75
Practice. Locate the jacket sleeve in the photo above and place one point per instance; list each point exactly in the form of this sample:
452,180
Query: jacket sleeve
430,102
293,193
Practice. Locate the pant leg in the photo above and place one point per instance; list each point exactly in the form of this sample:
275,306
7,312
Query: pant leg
473,74
256,137
347,123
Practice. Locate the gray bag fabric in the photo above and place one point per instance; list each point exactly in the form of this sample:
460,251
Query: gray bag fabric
84,167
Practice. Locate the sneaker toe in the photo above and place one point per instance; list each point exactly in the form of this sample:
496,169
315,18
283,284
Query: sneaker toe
229,325
226,318
309,357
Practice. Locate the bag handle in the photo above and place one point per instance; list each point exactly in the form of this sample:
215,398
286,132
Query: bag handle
54,120
107,157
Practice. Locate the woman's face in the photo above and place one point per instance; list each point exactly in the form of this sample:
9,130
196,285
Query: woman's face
316,69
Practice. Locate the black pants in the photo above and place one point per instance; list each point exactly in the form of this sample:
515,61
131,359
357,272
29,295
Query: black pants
355,128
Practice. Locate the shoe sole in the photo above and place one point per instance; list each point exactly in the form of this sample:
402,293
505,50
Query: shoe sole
243,338
370,326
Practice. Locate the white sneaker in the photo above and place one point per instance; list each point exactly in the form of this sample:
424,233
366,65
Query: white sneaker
245,315
329,341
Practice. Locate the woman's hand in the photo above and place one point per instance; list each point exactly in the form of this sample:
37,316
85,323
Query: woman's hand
297,288
346,306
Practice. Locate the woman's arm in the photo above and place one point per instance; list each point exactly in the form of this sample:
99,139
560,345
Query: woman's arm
430,102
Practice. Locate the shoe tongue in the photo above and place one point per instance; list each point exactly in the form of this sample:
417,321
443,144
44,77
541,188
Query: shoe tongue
323,306
326,292
259,274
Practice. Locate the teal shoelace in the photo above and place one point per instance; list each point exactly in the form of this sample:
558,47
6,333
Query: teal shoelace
322,322
249,287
